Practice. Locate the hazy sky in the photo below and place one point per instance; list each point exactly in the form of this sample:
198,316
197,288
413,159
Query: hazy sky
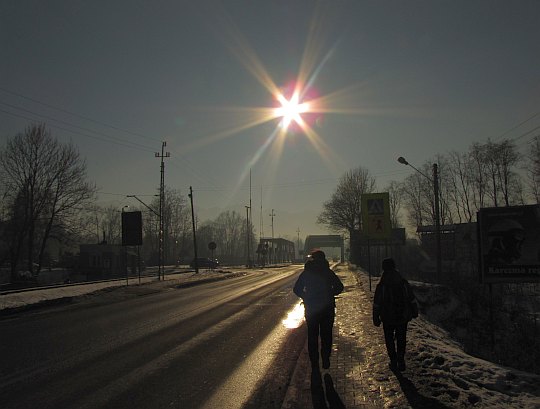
394,78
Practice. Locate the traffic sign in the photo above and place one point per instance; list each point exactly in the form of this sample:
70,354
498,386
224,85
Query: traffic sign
376,215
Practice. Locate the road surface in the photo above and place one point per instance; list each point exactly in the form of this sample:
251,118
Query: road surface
214,345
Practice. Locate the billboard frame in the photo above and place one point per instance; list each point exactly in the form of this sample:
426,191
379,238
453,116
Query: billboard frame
509,244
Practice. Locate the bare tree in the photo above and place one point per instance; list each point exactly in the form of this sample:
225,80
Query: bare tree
496,176
395,193
343,211
479,174
510,183
459,179
418,199
228,231
176,224
533,168
46,187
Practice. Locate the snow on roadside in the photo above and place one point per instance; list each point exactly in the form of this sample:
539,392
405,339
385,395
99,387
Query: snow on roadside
441,375
439,365
16,300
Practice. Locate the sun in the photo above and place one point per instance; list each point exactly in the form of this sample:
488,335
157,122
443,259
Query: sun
290,110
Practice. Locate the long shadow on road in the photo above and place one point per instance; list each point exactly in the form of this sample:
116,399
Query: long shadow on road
415,399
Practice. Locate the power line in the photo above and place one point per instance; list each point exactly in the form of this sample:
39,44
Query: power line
517,126
123,143
77,115
109,138
50,118
526,133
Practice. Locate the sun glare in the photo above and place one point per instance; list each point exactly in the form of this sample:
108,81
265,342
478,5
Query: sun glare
297,105
290,110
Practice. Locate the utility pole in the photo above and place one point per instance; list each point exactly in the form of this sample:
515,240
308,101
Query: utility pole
437,222
272,216
163,155
248,261
298,241
261,227
249,220
194,234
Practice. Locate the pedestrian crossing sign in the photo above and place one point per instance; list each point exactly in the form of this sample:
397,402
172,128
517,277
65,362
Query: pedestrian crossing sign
376,215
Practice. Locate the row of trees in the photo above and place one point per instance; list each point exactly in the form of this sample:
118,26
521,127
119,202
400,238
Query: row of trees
48,204
491,174
47,199
227,230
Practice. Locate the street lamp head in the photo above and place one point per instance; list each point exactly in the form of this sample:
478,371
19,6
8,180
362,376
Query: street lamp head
402,160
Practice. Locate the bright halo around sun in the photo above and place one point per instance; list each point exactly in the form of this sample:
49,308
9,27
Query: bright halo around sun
296,108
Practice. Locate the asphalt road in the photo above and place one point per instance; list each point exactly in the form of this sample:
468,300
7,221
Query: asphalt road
214,345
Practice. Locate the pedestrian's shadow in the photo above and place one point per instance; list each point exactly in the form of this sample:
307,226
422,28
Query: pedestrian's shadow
334,401
318,392
415,399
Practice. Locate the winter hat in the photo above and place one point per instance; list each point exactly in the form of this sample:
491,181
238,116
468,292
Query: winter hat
318,255
388,264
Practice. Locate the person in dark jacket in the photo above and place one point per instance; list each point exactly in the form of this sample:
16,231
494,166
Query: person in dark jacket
394,305
317,286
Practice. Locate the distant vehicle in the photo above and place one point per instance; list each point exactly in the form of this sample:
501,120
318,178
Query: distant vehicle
204,262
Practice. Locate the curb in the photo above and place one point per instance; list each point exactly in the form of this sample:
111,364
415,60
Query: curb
294,391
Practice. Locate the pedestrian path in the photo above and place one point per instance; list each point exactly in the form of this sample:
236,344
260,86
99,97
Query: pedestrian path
358,376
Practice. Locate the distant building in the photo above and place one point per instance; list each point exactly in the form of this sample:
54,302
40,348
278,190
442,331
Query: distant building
274,250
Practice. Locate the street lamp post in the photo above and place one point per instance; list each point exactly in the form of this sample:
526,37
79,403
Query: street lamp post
248,261
273,255
435,180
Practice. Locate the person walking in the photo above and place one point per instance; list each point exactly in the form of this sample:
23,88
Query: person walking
317,286
394,304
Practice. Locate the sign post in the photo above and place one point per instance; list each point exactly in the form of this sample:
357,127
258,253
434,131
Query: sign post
376,219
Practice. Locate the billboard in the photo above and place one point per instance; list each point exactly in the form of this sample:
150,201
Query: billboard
376,215
509,244
131,228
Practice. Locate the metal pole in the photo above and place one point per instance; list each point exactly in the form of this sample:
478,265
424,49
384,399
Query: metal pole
273,252
437,222
139,262
161,269
298,241
247,237
249,221
369,263
194,234
438,257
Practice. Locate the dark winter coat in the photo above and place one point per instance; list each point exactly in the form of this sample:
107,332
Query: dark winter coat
394,302
317,286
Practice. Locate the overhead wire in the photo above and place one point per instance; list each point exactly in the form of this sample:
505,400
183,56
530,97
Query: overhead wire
517,126
76,115
102,136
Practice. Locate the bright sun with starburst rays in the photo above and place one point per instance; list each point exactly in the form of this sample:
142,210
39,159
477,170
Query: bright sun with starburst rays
291,110
297,107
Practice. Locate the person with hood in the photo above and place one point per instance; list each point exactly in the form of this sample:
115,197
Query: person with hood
394,305
317,286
